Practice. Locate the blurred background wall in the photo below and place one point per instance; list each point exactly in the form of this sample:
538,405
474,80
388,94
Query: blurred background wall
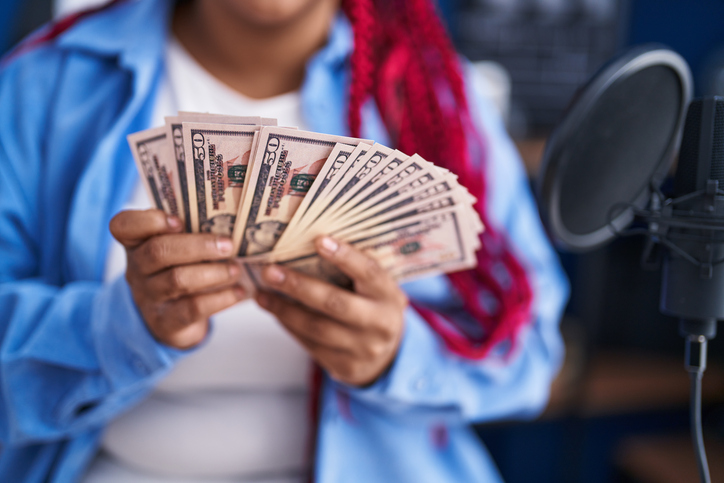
618,411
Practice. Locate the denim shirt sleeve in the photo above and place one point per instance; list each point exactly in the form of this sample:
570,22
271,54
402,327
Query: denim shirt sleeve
426,376
72,357
73,353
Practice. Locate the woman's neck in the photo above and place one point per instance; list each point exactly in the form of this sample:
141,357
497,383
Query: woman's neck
259,60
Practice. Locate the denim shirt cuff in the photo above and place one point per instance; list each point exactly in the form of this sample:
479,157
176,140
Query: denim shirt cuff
128,350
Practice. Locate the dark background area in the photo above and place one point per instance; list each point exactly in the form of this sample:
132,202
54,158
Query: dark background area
619,407
19,18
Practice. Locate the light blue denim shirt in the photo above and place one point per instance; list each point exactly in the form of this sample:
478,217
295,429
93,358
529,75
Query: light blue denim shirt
75,351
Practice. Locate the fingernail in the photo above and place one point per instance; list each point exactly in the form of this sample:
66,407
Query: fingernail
274,274
234,271
173,222
224,245
263,300
239,292
329,245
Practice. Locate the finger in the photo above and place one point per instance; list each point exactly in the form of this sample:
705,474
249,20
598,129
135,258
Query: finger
183,280
199,307
310,326
161,252
321,296
186,336
368,276
131,227
184,323
338,358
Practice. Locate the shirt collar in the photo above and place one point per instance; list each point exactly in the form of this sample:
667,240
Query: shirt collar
135,31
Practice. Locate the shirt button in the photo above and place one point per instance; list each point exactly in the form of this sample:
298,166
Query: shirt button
420,384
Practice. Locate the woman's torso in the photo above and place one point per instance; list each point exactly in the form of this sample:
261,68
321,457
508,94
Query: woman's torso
237,407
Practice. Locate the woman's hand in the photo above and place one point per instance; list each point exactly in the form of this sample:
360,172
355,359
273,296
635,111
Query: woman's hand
354,336
177,279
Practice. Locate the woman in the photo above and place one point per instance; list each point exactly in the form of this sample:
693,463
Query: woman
110,367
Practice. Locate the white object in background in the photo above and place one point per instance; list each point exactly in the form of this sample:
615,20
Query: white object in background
63,8
493,81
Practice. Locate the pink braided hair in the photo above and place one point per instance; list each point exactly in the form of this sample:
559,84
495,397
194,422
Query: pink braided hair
404,59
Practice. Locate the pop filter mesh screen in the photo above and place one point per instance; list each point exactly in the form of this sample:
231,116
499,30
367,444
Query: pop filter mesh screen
621,143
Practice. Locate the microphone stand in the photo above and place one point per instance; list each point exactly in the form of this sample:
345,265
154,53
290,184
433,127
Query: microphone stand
692,275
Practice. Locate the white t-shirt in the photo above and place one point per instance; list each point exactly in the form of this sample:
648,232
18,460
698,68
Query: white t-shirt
236,410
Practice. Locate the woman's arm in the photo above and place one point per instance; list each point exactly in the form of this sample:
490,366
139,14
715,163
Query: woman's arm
74,356
425,374
71,356
73,353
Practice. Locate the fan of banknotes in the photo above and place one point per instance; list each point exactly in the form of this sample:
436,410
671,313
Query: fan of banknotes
273,190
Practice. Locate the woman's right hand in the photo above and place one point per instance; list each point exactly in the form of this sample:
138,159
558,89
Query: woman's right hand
178,280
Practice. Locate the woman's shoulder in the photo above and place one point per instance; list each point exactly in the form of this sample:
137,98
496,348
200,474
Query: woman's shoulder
114,31
63,63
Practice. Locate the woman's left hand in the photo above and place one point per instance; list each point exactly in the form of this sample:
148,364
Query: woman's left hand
354,336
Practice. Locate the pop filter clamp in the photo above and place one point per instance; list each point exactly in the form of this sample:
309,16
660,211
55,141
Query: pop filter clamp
662,215
601,174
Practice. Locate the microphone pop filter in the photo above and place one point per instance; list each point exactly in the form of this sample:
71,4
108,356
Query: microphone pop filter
616,140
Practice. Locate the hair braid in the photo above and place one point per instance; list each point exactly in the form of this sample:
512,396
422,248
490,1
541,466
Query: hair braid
426,17
404,58
362,16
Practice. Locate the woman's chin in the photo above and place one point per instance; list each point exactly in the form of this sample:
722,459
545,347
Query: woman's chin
270,13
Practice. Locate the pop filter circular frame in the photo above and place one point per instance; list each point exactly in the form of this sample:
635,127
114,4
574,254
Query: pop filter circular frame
568,148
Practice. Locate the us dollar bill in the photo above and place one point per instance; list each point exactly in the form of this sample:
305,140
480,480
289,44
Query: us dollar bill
394,169
158,172
284,168
407,186
339,159
352,174
376,157
349,167
396,198
379,163
423,202
219,156
174,134
341,156
423,245
435,203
